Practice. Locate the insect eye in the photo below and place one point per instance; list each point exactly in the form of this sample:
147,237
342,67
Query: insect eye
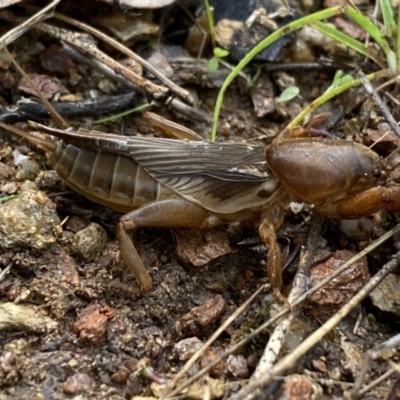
377,173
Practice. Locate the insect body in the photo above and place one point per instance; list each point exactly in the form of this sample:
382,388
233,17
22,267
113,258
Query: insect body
160,182
177,183
339,178
333,175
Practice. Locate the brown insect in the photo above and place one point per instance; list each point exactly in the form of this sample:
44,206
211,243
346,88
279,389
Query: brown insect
180,183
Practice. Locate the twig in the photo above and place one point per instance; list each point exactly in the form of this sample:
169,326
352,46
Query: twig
96,65
169,128
374,383
85,43
182,93
289,360
379,103
215,335
370,355
24,26
6,270
56,116
278,337
286,311
392,98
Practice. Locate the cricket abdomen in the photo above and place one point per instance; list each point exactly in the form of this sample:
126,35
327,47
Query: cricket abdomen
107,178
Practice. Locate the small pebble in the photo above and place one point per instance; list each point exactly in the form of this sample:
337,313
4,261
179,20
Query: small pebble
29,220
89,242
27,170
78,383
237,366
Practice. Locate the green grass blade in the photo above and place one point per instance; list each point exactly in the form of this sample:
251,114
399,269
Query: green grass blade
116,117
335,91
8,198
293,26
355,15
210,19
398,39
375,33
342,38
388,17
347,40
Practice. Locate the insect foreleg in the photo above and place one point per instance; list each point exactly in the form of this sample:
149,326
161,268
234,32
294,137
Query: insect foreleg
364,204
271,220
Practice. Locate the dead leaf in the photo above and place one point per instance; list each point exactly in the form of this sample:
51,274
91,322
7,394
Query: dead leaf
200,246
47,85
92,323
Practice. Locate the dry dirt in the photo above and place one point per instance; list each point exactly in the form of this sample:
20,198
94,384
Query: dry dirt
83,329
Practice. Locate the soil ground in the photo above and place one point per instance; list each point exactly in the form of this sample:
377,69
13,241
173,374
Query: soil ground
98,336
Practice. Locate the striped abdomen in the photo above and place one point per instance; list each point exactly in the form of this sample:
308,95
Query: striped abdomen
107,178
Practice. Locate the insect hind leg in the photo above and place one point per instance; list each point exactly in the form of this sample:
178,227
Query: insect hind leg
167,214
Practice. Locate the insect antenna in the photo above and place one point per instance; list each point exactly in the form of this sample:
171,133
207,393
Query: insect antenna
36,139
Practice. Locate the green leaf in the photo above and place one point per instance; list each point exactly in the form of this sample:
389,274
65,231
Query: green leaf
388,18
288,94
338,76
343,80
371,28
342,38
293,26
221,53
339,80
212,65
